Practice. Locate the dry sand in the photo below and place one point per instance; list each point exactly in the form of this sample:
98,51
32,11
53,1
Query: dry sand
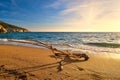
43,65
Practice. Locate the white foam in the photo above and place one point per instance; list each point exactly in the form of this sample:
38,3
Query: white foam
63,46
16,42
4,40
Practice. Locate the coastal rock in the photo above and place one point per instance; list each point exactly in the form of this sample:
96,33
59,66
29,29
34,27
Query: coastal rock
7,28
2,29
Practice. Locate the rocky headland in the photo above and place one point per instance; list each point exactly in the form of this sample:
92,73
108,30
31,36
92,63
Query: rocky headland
7,28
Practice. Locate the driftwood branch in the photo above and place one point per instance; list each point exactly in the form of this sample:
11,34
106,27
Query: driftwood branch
55,51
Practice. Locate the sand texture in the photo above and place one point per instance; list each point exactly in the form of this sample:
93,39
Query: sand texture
40,64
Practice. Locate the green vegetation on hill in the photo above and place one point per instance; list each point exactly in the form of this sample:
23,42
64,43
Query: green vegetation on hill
6,28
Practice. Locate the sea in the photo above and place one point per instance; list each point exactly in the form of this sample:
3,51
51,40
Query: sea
72,41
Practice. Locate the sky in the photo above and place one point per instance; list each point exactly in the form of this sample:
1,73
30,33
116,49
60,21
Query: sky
62,15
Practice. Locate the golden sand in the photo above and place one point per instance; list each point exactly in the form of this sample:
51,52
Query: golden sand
44,66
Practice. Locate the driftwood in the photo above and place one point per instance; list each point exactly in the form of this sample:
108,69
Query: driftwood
64,54
56,52
60,54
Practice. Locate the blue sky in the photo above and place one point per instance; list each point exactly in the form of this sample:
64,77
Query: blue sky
27,13
62,15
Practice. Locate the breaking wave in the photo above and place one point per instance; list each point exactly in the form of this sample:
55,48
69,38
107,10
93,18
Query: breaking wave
86,48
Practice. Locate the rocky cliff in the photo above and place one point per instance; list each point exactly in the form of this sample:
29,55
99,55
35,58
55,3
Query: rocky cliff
6,28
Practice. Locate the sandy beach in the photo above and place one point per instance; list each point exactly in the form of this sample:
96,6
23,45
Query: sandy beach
42,64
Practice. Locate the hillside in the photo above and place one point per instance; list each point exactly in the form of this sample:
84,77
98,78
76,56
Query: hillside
6,28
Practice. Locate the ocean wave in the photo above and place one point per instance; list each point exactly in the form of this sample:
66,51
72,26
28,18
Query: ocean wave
62,46
16,42
85,48
3,39
110,45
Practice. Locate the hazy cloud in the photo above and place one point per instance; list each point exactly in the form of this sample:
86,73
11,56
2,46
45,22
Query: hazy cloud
90,14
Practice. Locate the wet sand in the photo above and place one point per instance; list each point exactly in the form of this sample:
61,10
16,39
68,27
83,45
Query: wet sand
44,66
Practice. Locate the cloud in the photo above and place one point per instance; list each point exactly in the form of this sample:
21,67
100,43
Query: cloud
96,15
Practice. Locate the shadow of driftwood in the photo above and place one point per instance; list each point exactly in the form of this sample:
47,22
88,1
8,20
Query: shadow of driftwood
21,73
38,67
24,73
66,60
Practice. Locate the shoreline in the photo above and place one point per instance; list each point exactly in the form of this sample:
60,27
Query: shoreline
64,46
42,64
